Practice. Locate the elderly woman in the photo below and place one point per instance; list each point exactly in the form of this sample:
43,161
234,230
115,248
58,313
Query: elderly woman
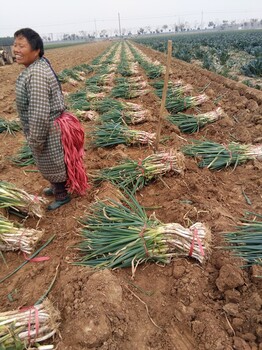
55,136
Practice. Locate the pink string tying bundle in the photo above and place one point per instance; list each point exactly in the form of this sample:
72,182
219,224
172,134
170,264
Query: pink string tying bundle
197,239
32,311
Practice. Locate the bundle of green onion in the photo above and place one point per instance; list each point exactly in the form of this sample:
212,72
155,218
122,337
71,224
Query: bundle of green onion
110,134
189,123
86,115
25,328
246,241
134,68
95,88
83,68
69,75
137,79
159,84
24,157
121,235
174,91
136,117
20,201
134,107
179,104
78,101
107,104
17,238
72,81
101,79
153,70
216,156
124,70
128,89
136,174
94,96
125,117
10,126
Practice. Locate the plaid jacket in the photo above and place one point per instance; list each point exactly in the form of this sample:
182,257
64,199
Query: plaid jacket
39,102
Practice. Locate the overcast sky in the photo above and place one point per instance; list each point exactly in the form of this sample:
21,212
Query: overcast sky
73,16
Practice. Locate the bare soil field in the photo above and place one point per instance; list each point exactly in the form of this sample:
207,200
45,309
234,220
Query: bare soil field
180,306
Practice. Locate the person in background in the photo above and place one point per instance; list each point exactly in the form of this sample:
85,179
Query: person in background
55,136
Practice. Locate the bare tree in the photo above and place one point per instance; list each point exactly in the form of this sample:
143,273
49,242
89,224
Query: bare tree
181,27
211,24
224,24
103,33
253,22
140,31
83,34
165,26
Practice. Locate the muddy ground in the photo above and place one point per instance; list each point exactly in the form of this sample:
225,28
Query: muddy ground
183,305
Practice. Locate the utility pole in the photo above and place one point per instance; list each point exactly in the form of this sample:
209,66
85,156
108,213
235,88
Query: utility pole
202,20
119,25
164,93
95,28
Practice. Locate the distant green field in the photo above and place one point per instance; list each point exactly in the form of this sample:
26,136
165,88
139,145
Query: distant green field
57,45
234,54
52,45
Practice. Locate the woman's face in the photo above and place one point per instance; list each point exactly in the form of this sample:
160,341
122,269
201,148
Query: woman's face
23,51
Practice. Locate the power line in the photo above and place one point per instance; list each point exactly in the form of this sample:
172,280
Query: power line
199,17
111,19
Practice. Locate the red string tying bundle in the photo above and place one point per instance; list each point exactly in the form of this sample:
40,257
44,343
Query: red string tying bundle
73,136
140,165
197,239
32,311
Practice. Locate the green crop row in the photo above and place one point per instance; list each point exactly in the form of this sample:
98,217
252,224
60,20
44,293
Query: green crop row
229,53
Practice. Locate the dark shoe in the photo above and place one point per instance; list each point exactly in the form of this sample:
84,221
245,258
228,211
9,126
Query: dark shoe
48,191
57,204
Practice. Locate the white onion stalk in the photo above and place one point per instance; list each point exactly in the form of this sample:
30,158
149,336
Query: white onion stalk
27,326
72,81
211,116
188,123
86,115
254,151
130,106
93,96
13,238
136,93
135,79
18,199
178,82
137,136
137,117
200,99
192,241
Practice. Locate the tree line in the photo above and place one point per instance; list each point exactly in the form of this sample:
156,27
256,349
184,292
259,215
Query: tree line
82,35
